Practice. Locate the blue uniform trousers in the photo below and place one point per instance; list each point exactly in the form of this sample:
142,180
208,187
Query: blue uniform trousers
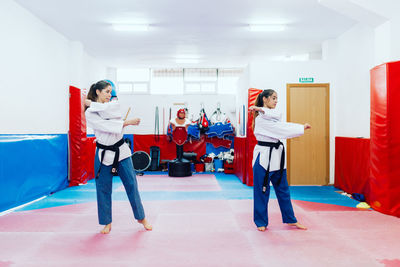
261,199
104,189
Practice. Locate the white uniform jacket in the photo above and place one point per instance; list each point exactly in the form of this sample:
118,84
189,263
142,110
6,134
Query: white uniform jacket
269,128
106,121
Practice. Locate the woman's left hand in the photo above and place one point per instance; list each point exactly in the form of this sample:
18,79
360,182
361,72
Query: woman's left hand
87,102
255,108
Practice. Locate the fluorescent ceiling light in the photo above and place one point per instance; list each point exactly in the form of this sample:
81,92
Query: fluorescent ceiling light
131,27
187,60
267,27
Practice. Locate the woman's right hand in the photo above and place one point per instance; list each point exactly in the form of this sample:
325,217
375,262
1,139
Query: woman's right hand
307,126
134,121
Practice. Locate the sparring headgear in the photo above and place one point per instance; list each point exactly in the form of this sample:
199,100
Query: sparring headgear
181,111
113,94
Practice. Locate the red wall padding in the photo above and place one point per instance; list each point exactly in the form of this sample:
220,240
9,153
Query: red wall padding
240,158
81,148
251,139
385,138
352,165
87,156
244,146
167,149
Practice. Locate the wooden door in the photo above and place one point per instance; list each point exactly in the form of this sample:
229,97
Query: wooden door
308,155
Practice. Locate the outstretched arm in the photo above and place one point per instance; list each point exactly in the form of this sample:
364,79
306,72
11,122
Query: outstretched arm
280,130
109,110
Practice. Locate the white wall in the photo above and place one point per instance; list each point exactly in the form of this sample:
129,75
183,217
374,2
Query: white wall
395,38
94,70
144,106
241,99
383,48
37,65
350,58
34,70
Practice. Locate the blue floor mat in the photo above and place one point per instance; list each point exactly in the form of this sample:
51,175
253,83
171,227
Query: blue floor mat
231,188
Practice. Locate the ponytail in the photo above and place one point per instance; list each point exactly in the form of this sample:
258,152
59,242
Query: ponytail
100,85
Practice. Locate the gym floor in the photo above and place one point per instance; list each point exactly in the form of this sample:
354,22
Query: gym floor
203,220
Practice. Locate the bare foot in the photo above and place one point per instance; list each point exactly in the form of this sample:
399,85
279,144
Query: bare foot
298,225
261,228
146,224
106,229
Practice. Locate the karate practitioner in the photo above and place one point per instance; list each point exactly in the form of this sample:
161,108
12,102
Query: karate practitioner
268,159
112,153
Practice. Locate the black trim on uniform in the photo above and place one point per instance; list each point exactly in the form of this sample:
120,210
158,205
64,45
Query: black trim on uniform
272,146
115,148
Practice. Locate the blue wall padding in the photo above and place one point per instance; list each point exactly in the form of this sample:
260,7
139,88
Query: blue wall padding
130,137
31,166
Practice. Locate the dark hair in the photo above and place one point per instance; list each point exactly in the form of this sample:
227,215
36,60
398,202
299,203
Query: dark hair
266,93
100,85
260,103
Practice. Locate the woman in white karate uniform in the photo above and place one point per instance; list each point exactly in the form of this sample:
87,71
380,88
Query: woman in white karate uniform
112,154
269,159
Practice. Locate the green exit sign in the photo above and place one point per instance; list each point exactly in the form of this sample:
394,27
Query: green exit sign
306,80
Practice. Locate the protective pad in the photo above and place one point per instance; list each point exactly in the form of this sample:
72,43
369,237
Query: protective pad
385,138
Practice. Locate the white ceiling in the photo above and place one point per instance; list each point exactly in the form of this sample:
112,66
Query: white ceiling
215,31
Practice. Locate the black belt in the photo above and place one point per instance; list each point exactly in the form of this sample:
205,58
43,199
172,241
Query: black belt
271,146
115,148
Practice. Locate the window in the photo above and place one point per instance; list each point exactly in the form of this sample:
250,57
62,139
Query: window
227,80
167,81
200,75
200,80
133,75
141,87
178,80
133,80
200,87
192,87
125,87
